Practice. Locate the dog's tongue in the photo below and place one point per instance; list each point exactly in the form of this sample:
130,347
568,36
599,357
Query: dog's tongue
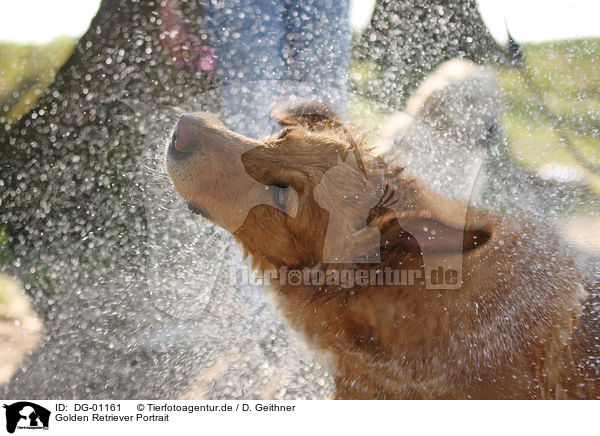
435,237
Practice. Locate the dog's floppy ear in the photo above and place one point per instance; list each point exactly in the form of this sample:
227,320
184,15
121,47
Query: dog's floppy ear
307,114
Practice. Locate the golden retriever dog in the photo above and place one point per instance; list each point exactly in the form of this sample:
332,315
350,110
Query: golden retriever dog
311,200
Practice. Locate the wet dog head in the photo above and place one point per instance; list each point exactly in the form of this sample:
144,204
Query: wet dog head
307,195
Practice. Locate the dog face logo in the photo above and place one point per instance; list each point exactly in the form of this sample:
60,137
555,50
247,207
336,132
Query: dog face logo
26,415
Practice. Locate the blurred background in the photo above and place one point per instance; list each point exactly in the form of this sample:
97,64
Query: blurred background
559,38
59,124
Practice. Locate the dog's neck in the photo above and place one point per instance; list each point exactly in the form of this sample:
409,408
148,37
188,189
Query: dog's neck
378,327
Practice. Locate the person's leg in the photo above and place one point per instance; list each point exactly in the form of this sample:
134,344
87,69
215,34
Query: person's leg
247,37
318,49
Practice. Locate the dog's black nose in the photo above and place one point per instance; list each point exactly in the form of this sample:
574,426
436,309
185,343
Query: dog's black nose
184,135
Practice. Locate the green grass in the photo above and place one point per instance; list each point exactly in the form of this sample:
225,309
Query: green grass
5,296
567,75
3,238
26,70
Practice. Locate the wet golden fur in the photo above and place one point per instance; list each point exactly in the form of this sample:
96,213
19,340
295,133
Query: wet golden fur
510,331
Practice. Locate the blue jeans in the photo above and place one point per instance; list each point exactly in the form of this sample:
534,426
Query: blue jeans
271,51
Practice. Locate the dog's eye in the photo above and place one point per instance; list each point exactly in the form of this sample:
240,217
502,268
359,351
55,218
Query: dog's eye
281,194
